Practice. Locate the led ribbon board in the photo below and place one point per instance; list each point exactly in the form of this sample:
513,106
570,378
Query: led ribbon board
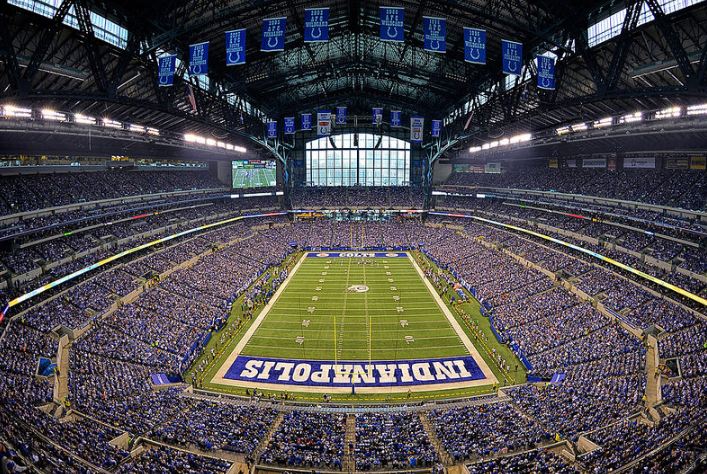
125,253
641,274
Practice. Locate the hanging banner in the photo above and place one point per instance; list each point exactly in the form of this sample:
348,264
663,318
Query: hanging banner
435,31
323,124
235,47
436,128
165,70
417,126
392,26
199,59
395,118
512,54
273,34
272,129
341,115
546,73
306,121
377,115
289,126
475,46
316,25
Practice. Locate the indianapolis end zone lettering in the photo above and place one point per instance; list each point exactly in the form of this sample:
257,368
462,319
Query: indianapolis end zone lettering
345,373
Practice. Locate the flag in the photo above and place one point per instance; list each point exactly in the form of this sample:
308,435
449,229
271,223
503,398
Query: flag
273,34
474,45
235,47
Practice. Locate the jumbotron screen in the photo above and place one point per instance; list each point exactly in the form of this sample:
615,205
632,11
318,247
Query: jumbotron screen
254,173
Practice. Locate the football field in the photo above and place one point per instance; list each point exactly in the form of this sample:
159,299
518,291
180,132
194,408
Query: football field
366,319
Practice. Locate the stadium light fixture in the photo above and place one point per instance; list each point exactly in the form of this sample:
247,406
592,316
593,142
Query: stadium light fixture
136,128
601,123
16,112
700,109
579,127
670,112
153,131
111,123
474,149
631,118
523,137
563,130
84,119
49,114
192,138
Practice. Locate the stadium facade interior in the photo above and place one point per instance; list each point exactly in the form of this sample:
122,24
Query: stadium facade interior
405,236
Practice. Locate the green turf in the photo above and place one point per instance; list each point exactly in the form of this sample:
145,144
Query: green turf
346,325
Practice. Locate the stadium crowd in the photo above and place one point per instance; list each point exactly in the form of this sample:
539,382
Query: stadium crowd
181,300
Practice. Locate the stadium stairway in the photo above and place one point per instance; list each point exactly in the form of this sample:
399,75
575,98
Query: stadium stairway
444,456
349,464
653,378
268,436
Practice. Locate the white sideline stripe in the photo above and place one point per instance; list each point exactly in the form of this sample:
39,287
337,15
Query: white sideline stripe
254,327
452,320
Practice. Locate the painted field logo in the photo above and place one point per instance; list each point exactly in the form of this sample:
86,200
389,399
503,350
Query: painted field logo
357,289
391,255
322,255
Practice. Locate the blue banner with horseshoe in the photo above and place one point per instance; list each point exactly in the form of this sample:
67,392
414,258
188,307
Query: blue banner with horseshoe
235,47
273,34
392,26
435,30
474,45
199,59
512,54
316,25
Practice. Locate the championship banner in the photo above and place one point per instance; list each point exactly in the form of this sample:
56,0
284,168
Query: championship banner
475,46
392,26
395,118
306,121
323,124
377,115
316,25
235,47
546,73
273,34
436,128
417,126
165,70
512,54
272,129
289,126
199,59
341,115
435,32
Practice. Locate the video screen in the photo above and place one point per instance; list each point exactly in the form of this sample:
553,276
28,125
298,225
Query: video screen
254,174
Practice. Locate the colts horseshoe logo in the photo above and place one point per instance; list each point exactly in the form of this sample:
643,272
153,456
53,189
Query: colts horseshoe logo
392,32
234,57
475,54
318,33
270,42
